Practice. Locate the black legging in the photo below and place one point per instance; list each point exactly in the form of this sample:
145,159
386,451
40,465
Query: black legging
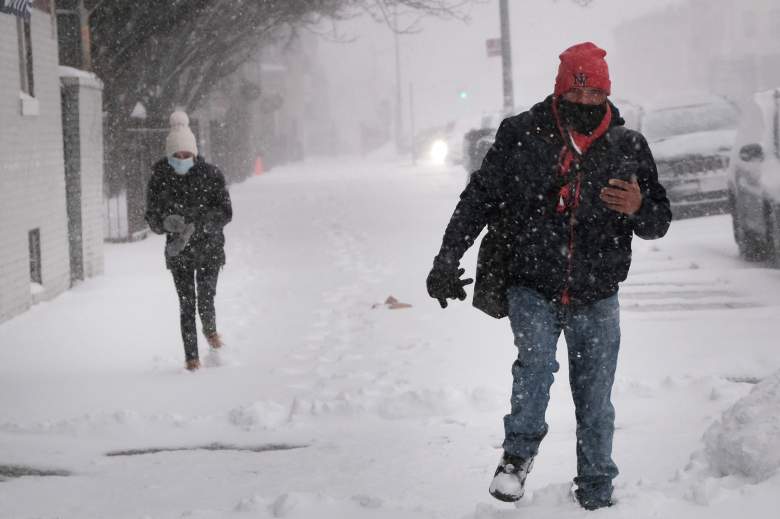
184,278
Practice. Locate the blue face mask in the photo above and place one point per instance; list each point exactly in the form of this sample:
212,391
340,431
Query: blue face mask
181,166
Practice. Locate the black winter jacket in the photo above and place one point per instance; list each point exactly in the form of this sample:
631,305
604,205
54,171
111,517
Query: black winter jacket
514,194
202,198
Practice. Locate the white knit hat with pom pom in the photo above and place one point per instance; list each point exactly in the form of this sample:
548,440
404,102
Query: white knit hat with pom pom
181,137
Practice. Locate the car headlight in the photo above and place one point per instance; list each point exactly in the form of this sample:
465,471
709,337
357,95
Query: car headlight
439,151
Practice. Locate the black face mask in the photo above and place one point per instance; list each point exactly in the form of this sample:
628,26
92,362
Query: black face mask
581,118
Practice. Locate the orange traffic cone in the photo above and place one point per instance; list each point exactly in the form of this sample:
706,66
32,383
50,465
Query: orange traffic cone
258,166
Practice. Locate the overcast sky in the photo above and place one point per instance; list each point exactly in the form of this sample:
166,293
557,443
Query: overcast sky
448,57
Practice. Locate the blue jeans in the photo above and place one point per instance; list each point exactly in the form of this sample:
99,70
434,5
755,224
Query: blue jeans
593,339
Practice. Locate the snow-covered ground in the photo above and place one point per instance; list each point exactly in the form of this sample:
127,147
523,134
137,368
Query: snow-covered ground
328,404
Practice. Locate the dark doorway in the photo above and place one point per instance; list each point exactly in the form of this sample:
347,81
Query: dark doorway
71,135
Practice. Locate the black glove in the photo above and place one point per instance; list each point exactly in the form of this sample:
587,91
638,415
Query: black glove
444,283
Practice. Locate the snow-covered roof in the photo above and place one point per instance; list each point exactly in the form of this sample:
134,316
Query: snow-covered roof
85,78
139,111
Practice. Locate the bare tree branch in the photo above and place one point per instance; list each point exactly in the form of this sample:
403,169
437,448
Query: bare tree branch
167,53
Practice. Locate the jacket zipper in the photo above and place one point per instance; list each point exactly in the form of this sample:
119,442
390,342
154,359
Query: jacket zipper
565,296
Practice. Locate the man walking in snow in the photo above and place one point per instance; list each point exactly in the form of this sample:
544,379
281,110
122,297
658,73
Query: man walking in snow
188,202
562,191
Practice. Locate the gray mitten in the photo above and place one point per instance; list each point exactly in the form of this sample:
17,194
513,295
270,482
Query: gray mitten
174,223
180,241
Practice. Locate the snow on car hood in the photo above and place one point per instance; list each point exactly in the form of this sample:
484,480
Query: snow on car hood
701,143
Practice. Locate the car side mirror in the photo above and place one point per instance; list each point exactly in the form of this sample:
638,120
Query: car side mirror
751,153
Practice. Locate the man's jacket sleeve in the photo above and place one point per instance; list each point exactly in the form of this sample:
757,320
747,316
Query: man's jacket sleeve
480,200
655,215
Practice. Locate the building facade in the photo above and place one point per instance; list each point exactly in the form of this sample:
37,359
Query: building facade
725,47
35,210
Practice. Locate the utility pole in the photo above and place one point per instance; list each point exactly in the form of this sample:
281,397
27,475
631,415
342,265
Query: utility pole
411,123
506,58
86,36
398,98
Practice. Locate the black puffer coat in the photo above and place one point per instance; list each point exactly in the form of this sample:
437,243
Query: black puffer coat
202,198
515,192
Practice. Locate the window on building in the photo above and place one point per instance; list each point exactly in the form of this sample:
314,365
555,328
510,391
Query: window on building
25,56
36,273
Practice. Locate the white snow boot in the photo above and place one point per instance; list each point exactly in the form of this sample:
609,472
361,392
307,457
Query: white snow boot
509,481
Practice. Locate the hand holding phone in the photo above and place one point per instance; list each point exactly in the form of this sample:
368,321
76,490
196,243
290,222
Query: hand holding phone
624,196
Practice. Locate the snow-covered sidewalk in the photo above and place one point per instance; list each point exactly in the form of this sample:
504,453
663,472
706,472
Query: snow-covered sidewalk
328,404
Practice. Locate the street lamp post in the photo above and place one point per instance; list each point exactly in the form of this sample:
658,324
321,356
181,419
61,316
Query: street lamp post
411,123
506,57
399,124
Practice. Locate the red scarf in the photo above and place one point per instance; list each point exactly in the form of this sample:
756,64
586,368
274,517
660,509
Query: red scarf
575,146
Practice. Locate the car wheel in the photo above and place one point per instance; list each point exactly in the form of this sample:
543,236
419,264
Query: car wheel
751,247
773,234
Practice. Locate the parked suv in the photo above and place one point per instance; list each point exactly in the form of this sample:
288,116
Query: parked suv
754,180
691,140
477,141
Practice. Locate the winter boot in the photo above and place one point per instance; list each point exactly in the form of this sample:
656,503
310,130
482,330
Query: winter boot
193,365
509,481
215,341
594,503
594,498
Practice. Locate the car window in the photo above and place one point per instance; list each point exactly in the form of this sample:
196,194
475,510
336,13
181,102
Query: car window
662,124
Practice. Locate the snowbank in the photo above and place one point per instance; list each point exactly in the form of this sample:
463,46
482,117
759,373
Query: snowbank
263,415
746,440
399,403
304,505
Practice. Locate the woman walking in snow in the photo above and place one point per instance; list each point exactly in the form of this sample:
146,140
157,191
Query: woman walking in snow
187,200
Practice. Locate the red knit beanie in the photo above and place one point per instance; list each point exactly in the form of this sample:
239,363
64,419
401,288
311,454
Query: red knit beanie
583,66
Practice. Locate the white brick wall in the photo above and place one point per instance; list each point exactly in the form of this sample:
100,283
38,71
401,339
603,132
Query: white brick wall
32,177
